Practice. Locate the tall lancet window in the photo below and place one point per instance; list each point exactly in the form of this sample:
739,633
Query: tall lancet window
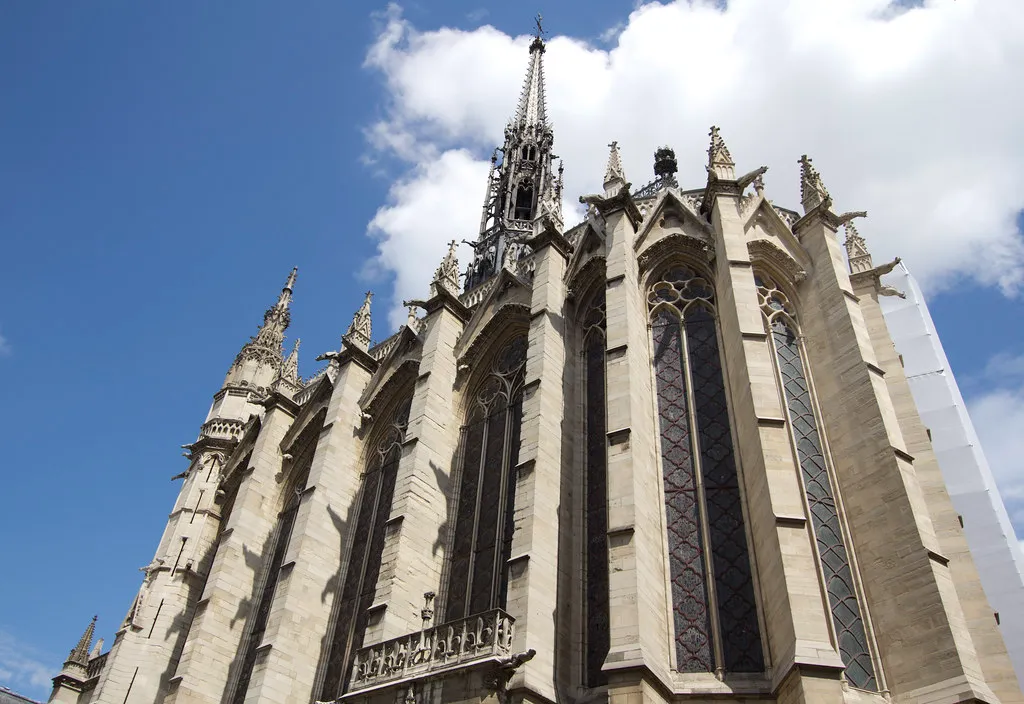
714,609
478,580
364,561
835,562
595,603
302,452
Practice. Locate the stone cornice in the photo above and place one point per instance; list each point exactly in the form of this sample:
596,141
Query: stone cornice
550,236
622,200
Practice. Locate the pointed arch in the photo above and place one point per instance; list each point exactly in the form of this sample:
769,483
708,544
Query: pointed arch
482,536
381,455
591,321
816,478
714,605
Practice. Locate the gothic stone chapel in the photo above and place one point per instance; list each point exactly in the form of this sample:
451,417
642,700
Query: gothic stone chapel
666,455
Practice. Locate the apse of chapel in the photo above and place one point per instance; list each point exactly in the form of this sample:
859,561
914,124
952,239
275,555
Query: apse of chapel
508,300
764,224
587,245
394,368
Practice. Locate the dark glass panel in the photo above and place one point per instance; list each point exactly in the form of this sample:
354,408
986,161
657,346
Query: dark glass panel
734,587
835,563
458,578
508,521
596,603
488,520
686,552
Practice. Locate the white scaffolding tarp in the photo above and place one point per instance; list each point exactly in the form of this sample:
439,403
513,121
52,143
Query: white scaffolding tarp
971,485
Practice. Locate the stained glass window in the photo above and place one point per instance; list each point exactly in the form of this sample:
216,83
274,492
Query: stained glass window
714,608
482,546
835,563
597,638
364,560
304,449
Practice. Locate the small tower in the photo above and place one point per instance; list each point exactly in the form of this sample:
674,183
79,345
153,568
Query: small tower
68,685
857,251
360,329
719,159
614,176
522,182
812,190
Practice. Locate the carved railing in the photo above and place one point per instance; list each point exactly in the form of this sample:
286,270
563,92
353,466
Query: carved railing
486,635
383,349
96,665
473,297
222,429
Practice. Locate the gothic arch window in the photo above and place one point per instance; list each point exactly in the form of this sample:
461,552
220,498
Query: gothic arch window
364,562
524,201
595,604
835,563
714,608
302,451
482,544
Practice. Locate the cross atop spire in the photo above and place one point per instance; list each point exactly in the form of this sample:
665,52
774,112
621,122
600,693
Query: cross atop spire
857,250
613,173
812,190
532,109
359,330
719,159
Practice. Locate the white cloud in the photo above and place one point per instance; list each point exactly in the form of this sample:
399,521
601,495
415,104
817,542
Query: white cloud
23,669
908,113
998,417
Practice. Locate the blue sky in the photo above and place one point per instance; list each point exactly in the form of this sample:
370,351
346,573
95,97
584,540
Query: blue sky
165,164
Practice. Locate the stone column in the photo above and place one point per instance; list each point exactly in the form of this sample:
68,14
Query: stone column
922,636
209,664
414,546
297,634
636,532
991,652
805,665
533,566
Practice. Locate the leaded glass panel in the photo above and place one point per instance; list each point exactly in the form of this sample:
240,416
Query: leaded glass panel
364,562
484,518
709,561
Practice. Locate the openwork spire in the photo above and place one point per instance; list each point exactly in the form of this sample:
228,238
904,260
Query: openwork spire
532,109
812,190
447,274
359,330
719,159
857,250
277,319
613,173
80,653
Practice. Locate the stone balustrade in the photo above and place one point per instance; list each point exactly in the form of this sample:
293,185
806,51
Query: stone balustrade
477,638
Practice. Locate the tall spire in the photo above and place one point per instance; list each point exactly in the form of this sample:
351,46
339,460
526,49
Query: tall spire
359,330
812,190
259,363
719,159
523,184
80,653
532,109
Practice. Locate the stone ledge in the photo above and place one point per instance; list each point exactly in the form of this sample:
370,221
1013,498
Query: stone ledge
613,280
617,437
771,422
790,521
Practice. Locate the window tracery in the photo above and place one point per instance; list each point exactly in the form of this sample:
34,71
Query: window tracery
364,560
304,448
835,563
714,607
597,638
482,541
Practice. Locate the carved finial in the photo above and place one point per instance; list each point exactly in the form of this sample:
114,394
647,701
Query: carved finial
613,174
447,274
80,653
857,250
360,329
719,160
812,190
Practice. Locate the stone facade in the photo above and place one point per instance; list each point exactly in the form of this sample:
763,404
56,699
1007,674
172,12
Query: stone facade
668,454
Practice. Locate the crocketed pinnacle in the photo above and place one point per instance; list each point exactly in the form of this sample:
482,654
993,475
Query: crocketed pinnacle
532,109
359,330
447,274
812,190
857,250
290,368
80,653
613,173
719,159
